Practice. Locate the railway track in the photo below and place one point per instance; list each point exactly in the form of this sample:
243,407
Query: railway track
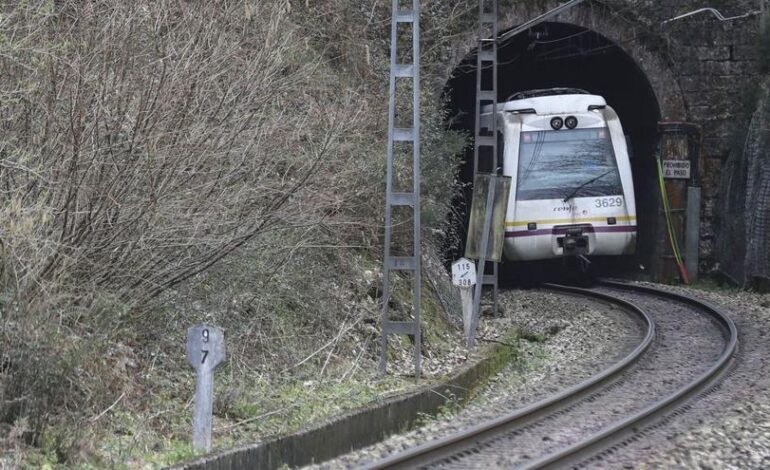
687,345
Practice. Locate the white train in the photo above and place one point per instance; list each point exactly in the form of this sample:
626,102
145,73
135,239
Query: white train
572,192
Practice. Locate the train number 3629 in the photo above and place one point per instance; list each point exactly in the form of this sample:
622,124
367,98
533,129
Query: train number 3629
609,202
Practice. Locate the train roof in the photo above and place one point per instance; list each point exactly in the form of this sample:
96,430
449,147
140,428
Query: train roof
522,95
553,101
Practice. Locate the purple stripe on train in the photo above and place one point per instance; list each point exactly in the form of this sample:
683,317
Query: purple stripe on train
563,230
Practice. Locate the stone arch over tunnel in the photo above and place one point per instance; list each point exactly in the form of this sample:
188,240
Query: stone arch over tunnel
593,49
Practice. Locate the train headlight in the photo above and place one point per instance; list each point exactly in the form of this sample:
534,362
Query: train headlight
571,122
557,123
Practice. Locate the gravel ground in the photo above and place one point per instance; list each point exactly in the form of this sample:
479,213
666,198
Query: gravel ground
581,337
687,342
729,425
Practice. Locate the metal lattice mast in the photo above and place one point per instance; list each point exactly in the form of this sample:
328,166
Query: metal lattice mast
485,147
395,199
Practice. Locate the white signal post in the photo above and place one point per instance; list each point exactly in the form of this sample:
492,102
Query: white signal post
464,277
205,351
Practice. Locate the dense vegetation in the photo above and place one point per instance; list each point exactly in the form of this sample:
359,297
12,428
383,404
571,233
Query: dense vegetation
167,163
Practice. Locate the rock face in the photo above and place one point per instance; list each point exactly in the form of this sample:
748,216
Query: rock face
757,158
745,235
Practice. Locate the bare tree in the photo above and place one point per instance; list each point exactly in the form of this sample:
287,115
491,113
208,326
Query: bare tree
144,141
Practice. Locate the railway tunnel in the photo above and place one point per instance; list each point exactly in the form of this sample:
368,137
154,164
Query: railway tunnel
556,54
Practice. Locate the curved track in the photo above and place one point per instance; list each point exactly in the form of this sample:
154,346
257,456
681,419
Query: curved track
687,345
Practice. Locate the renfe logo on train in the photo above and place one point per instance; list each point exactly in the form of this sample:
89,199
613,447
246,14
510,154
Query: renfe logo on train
676,169
565,208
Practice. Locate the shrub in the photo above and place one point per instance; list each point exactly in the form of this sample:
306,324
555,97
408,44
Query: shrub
142,144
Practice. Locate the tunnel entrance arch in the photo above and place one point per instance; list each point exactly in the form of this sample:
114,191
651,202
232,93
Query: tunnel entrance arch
634,81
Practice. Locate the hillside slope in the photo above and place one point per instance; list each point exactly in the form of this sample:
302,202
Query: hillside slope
167,163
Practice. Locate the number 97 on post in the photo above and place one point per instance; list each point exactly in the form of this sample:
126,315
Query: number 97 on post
205,347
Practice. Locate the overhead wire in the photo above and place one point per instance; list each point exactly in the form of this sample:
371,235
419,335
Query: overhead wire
588,52
506,41
714,12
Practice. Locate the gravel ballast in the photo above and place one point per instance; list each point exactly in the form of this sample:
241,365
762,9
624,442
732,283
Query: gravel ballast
687,342
569,339
728,426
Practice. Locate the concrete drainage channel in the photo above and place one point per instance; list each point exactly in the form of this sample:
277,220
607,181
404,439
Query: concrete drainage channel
359,428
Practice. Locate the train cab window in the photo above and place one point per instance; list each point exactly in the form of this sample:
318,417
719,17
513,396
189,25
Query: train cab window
567,163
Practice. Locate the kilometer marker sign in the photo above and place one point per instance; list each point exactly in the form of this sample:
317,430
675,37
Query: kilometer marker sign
464,277
464,273
205,352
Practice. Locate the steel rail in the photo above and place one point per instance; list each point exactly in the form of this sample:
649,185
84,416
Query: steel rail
615,433
463,440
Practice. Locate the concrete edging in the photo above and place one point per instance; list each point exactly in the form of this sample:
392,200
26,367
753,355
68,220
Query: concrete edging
358,428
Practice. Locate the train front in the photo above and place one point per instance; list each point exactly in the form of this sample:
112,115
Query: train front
572,192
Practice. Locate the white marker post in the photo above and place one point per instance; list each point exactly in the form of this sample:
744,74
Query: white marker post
205,351
464,277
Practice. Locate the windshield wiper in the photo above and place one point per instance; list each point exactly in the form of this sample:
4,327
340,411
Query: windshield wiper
573,193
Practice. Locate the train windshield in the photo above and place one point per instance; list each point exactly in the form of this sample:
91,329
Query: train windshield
567,163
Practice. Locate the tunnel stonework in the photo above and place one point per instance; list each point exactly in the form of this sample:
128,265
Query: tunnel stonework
701,70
